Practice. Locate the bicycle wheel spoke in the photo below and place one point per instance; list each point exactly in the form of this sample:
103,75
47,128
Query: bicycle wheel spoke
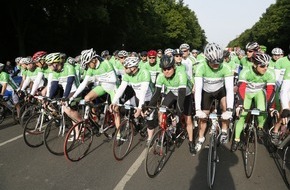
212,161
123,140
78,141
157,153
250,152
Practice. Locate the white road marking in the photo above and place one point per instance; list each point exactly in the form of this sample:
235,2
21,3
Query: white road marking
10,140
131,171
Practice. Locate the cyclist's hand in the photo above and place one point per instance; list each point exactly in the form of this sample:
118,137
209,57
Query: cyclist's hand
239,110
227,115
114,108
200,114
284,115
137,112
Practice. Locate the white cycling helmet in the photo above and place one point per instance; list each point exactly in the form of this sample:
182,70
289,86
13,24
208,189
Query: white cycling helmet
253,46
87,56
122,53
26,60
261,59
277,51
168,51
17,59
131,62
184,46
213,53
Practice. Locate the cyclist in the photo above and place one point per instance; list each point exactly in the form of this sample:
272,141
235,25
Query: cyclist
9,86
152,66
177,53
118,66
213,80
277,53
101,73
177,91
253,81
144,58
252,48
139,80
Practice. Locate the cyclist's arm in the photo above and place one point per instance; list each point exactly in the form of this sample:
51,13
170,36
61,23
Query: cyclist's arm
36,82
25,83
70,81
156,96
229,84
120,91
285,88
82,86
241,92
180,100
198,91
53,89
4,86
144,88
270,94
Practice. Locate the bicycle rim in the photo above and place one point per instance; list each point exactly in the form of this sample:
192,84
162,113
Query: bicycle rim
78,141
156,154
211,161
122,143
54,136
34,129
286,164
250,152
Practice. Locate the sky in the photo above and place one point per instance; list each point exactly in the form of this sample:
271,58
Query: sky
224,20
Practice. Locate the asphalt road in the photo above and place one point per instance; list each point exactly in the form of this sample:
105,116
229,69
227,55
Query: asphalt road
22,167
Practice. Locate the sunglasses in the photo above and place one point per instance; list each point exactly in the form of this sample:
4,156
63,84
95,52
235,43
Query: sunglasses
177,56
121,57
152,57
250,51
167,69
263,66
185,51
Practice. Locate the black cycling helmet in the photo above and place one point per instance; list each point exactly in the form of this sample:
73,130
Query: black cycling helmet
166,62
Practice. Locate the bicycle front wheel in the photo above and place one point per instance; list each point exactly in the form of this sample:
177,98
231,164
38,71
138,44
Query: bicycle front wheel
250,151
212,160
54,136
157,153
123,139
34,129
78,141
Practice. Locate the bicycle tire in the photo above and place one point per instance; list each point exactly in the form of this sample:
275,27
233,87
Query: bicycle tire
33,131
250,151
286,164
25,113
122,144
212,160
109,124
54,136
2,113
157,153
77,146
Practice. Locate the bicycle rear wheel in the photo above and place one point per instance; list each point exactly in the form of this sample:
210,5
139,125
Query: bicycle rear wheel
250,151
212,160
34,129
55,134
78,141
123,139
157,153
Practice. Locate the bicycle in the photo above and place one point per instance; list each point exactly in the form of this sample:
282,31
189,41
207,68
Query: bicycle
34,127
6,105
280,152
125,133
160,147
79,138
55,132
248,143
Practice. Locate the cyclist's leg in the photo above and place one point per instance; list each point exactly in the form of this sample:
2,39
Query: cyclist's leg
260,101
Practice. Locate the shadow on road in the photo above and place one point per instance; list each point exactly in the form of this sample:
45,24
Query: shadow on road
223,179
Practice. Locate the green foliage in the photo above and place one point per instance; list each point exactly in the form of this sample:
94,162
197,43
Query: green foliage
73,25
272,30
